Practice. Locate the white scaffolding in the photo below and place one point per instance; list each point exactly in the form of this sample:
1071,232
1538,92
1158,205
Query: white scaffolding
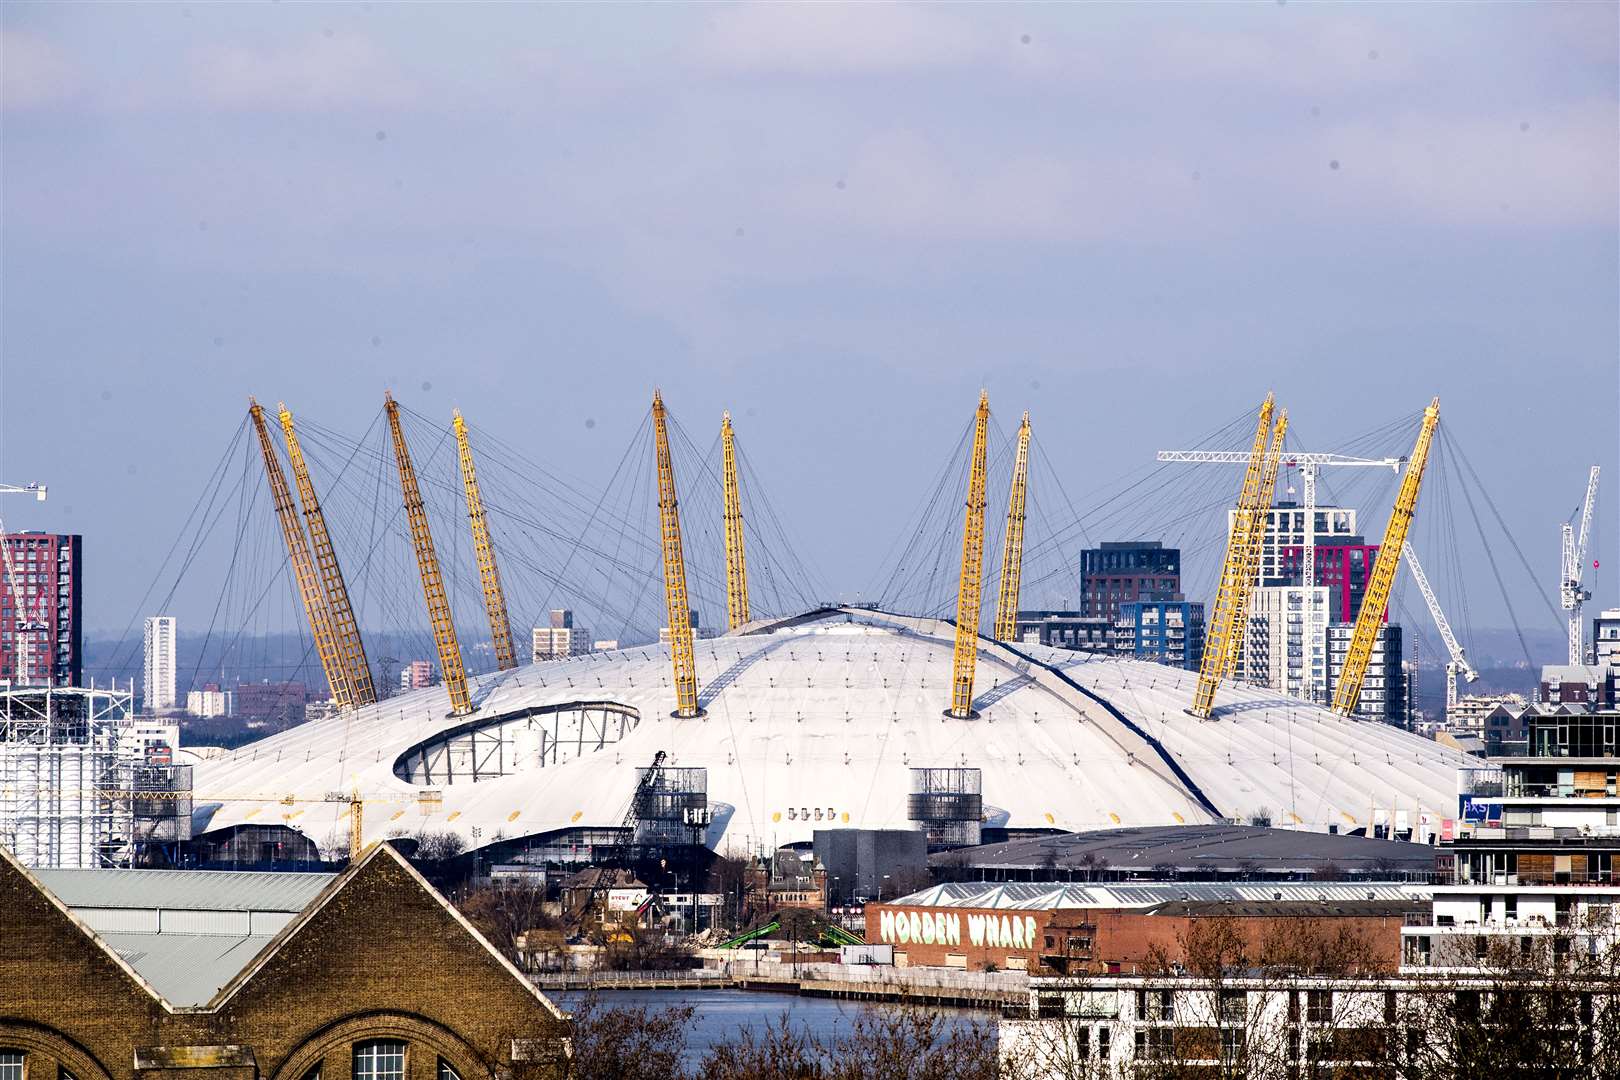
64,789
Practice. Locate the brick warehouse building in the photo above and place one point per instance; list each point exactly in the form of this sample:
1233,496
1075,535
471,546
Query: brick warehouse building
1074,929
376,978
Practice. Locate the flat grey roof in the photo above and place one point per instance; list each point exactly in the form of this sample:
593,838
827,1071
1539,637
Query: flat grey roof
187,966
187,969
1228,849
192,890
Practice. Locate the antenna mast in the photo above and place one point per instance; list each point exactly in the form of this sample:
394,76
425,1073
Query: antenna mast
680,612
736,563
970,587
1012,548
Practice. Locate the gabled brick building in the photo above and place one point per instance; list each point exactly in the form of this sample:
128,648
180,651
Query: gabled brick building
376,978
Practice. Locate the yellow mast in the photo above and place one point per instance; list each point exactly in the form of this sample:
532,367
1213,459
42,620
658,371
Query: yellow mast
1219,631
680,615
1375,601
1012,548
500,628
427,561
1258,523
970,587
736,562
309,586
345,630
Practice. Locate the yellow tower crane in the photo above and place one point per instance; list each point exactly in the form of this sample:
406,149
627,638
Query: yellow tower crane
427,561
1258,523
1375,601
736,560
680,612
1012,547
970,585
345,630
489,574
309,586
1222,626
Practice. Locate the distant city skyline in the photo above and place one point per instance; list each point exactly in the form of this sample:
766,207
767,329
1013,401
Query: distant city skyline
837,222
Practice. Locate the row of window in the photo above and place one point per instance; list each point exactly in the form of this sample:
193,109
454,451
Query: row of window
374,1059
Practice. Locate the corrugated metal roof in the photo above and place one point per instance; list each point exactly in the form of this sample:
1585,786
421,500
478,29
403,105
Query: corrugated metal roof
1039,896
187,969
197,890
1200,847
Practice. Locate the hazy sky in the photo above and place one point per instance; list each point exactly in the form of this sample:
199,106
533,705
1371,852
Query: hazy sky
838,221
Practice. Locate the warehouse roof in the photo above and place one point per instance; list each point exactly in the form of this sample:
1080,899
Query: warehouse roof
187,932
1051,896
1215,850
196,890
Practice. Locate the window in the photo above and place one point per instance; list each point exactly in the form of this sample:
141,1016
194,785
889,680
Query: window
379,1059
446,1072
1319,1005
11,1065
1104,1035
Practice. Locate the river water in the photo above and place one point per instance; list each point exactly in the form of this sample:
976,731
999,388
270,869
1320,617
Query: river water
721,1014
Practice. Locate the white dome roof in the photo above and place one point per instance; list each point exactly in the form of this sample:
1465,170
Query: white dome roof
816,722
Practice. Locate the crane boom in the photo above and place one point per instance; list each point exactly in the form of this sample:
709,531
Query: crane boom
1458,664
427,562
1571,594
675,600
309,585
489,574
1222,627
345,630
1258,523
970,586
736,562
1375,600
1012,548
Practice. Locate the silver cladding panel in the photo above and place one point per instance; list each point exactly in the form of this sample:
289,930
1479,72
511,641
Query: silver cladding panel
195,890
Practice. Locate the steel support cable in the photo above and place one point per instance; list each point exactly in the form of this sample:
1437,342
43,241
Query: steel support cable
208,495
1502,524
1497,573
900,548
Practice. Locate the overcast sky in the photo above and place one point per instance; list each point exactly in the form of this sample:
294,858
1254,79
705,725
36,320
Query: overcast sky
838,221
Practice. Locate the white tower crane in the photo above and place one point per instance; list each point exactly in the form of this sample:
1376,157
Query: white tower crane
1458,664
1308,464
24,624
1571,594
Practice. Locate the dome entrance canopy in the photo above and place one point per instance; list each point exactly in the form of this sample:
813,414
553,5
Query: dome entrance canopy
490,747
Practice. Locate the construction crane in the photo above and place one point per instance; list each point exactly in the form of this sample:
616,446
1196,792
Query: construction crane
345,630
680,612
309,585
24,627
1572,563
489,574
1458,664
1375,601
736,563
1012,547
623,848
970,585
1309,465
427,562
1223,632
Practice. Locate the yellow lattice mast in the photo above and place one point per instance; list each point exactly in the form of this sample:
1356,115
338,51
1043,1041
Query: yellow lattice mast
736,562
1258,522
345,630
489,574
680,612
1375,601
427,561
1218,633
970,586
1012,547
309,586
